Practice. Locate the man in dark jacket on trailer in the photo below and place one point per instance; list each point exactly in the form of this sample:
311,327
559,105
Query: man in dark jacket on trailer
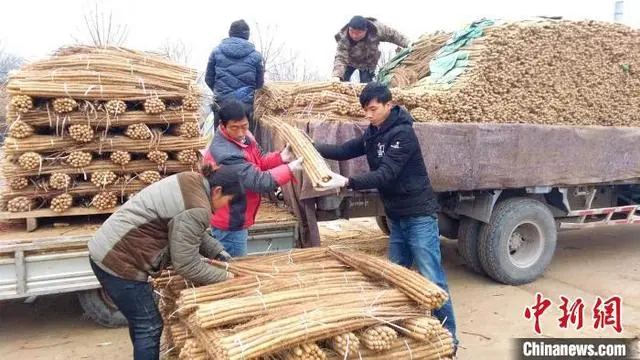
235,70
399,173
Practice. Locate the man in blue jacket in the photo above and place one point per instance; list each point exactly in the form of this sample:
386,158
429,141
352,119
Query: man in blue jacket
235,70
399,173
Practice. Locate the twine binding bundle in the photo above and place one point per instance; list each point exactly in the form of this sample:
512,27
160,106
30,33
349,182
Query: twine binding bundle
278,314
314,165
97,114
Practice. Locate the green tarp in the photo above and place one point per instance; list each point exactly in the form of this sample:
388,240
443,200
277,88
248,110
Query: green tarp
448,63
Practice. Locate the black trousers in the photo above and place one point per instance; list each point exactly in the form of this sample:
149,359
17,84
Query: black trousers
366,76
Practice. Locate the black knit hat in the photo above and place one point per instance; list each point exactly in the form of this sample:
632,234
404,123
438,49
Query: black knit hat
358,22
239,29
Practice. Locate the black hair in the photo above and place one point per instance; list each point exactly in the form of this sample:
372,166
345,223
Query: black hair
375,91
239,29
223,176
232,110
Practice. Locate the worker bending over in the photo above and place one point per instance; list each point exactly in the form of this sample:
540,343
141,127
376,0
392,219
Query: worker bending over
164,224
357,48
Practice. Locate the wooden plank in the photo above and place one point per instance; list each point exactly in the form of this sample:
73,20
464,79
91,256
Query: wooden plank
60,245
40,213
32,224
48,233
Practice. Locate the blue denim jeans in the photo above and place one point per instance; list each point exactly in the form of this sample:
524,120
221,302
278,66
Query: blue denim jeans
235,242
136,302
417,240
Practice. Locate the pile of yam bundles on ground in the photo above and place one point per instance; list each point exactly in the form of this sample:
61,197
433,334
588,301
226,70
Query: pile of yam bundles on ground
542,71
90,127
320,303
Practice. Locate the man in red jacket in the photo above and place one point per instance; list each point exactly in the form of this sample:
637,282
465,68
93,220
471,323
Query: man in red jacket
233,145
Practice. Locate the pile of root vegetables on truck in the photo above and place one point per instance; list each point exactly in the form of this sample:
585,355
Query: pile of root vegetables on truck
488,135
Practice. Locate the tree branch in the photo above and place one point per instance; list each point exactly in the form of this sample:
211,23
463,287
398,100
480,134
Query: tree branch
101,28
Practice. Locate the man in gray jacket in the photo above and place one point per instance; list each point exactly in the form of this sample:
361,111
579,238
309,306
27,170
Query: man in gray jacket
164,224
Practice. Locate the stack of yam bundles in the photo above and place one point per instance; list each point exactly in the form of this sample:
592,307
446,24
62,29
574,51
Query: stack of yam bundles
539,71
320,303
90,127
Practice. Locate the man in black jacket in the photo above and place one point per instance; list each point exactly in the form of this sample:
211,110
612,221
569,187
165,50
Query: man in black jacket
399,173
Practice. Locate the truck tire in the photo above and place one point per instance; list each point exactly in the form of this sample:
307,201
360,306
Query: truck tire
519,241
468,243
383,225
99,308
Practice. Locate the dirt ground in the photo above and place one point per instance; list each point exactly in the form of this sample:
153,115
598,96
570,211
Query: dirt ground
587,264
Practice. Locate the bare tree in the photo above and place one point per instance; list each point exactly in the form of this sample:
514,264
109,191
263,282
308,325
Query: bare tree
267,43
280,62
102,29
8,62
176,50
293,69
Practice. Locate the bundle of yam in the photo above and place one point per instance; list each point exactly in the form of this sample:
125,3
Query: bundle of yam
412,64
320,303
88,126
302,146
540,71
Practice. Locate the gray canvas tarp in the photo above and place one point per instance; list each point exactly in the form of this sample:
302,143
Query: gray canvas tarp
496,156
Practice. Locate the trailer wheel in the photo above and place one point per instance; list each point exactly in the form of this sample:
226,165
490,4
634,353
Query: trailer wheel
383,224
468,243
519,241
100,308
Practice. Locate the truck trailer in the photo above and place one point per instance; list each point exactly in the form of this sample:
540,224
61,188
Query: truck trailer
505,190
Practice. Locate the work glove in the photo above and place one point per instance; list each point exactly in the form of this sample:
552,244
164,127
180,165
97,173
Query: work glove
296,164
336,79
286,155
337,182
223,256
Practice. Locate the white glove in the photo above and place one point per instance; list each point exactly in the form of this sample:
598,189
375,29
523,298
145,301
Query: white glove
286,155
337,182
335,79
296,164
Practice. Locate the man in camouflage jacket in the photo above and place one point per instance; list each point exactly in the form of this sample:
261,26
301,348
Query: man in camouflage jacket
357,47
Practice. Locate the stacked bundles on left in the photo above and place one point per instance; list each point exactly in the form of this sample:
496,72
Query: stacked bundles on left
92,126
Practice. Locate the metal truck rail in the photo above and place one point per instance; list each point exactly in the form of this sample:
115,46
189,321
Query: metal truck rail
32,267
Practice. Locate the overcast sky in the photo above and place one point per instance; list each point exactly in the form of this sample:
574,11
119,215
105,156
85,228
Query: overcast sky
33,29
